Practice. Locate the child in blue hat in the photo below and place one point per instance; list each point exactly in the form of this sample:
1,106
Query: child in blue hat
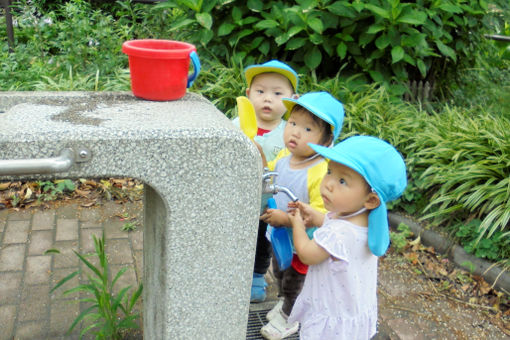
339,296
313,118
267,84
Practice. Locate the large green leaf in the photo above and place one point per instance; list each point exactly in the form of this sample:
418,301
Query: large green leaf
413,18
446,50
383,13
313,58
205,19
397,54
341,50
315,24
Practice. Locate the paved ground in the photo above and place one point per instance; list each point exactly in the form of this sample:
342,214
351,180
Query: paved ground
29,311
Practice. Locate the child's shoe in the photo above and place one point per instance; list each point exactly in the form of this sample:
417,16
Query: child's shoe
258,288
277,309
278,328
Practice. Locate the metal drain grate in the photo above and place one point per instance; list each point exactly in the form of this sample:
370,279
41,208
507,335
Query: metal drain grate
256,320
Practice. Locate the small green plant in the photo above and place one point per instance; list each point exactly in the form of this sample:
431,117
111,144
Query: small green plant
469,266
110,314
51,190
129,226
399,239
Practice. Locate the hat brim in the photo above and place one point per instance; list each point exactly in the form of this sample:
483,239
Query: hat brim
255,70
290,103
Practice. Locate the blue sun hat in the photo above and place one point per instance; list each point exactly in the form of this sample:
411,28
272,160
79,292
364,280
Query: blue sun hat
272,66
384,169
321,104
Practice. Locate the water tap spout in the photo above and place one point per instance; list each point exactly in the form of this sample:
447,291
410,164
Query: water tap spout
271,188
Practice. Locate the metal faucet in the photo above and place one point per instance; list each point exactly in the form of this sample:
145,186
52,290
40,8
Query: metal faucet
271,188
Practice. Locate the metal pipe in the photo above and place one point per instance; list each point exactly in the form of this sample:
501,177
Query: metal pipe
38,166
278,188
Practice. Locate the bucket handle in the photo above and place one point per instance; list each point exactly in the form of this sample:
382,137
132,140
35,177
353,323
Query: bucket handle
196,68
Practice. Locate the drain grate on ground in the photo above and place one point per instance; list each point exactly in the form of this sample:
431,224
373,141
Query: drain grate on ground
256,320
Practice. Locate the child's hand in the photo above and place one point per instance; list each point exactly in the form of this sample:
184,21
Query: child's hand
295,218
276,218
306,212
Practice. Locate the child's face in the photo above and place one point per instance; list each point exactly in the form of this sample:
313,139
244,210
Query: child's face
266,93
300,130
343,190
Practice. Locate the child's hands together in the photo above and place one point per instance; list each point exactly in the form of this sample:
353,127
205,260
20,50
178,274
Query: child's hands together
295,217
301,210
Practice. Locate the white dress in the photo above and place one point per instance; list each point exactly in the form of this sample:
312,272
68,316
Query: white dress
339,296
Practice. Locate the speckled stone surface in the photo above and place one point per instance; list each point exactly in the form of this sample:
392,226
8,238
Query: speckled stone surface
202,191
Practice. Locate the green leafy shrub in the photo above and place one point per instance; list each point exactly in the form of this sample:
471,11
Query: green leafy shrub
493,248
382,40
399,238
72,39
458,161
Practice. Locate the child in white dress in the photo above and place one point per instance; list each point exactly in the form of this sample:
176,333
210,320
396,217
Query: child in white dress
339,296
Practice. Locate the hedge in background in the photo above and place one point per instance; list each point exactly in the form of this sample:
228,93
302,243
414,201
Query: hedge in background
382,40
458,163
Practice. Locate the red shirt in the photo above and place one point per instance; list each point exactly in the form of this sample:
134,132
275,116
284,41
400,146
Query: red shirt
261,132
299,266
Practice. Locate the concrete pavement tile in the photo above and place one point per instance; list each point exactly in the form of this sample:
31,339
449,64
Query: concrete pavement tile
34,303
16,231
12,257
113,228
40,241
31,330
86,239
119,251
43,220
67,229
91,215
59,274
7,317
3,214
111,209
88,225
3,222
38,270
68,211
67,258
62,315
19,215
136,237
10,283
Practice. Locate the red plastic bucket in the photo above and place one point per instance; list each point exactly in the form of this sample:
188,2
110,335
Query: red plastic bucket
159,68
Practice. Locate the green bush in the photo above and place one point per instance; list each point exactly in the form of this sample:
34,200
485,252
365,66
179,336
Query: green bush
458,160
382,40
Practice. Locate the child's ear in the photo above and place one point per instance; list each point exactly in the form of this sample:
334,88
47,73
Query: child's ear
248,92
372,201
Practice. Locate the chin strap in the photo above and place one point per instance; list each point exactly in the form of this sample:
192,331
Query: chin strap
362,210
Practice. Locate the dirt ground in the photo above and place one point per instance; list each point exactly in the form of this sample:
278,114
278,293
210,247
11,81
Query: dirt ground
422,296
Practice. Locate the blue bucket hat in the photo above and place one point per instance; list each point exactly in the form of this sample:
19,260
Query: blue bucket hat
272,66
384,169
321,104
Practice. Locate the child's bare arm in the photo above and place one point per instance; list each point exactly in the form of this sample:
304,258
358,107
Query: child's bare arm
276,218
308,251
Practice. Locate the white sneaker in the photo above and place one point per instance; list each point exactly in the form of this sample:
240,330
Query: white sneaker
276,310
278,328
